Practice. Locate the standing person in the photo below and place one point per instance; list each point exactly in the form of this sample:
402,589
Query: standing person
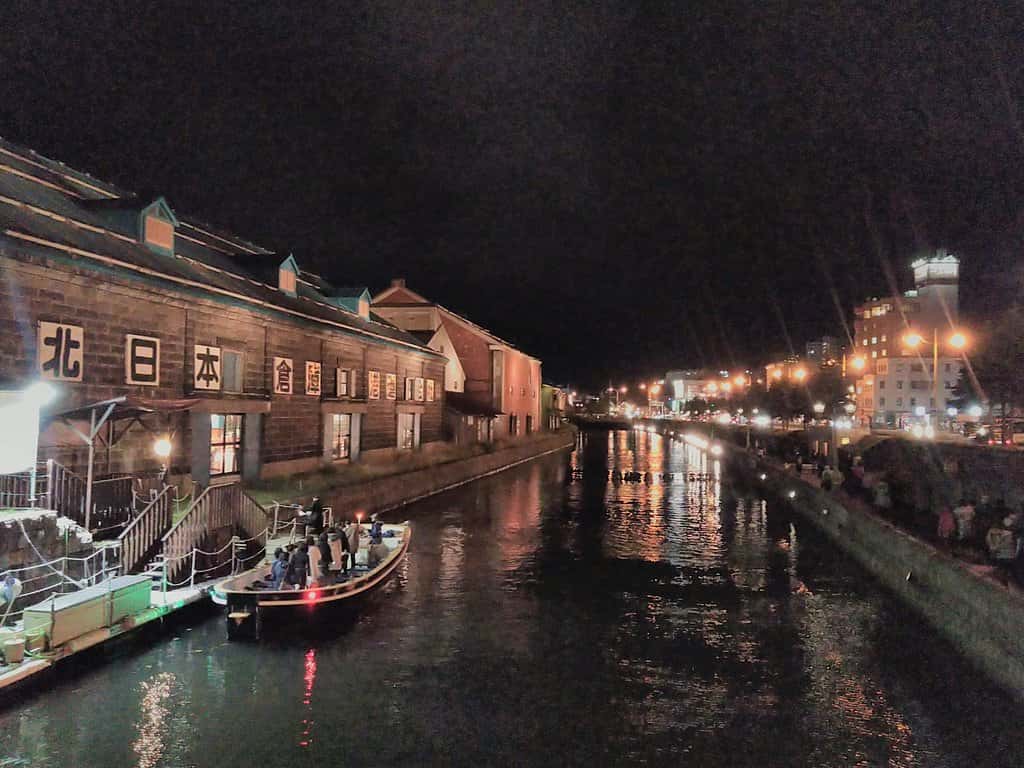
315,515
352,532
324,545
964,514
376,530
279,570
947,526
826,479
298,566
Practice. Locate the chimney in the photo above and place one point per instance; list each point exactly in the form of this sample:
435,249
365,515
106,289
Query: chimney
398,282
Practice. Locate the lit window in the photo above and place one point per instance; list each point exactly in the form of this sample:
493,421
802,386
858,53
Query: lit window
342,381
874,339
883,337
865,342
341,435
225,443
885,352
874,353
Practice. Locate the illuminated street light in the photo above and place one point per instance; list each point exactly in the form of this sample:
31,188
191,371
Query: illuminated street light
162,447
740,380
777,373
858,363
913,340
958,340
800,374
850,408
643,386
819,408
975,411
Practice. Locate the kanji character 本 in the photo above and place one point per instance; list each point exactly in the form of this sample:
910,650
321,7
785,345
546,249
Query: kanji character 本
207,373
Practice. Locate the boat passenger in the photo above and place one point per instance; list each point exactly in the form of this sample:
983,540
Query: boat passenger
378,551
314,517
352,532
279,570
339,553
298,567
376,530
326,556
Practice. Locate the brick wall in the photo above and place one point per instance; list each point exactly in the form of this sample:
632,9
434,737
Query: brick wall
109,306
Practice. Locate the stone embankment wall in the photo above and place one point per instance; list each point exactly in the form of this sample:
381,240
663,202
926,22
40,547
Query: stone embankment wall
53,536
385,493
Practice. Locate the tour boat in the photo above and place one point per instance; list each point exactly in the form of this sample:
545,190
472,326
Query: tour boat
249,606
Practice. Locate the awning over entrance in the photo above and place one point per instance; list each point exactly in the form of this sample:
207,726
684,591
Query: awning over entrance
124,407
107,413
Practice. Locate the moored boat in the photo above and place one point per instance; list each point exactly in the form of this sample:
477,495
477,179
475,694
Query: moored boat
249,604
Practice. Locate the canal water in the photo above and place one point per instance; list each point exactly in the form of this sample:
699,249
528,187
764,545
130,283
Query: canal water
550,615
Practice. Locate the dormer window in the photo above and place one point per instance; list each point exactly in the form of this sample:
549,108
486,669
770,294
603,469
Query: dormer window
156,227
287,274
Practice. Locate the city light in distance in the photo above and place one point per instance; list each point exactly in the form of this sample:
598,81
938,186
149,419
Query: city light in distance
858,363
958,340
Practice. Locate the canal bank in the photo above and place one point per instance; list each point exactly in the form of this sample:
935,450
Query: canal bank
980,617
385,492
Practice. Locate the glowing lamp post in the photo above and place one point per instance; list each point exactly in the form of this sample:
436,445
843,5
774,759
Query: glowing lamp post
956,340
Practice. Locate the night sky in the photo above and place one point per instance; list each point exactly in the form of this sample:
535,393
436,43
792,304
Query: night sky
618,188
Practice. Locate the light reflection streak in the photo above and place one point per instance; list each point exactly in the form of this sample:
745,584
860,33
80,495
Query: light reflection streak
308,678
149,745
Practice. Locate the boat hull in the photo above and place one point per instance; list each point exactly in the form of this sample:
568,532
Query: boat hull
250,613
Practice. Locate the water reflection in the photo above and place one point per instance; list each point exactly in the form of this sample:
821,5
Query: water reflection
553,614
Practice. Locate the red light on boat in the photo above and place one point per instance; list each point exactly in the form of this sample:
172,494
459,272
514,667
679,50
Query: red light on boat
312,595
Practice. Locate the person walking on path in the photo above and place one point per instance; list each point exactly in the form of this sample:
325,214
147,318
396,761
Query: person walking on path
947,526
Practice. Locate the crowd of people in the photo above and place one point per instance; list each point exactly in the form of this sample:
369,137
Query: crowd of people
987,525
989,529
327,555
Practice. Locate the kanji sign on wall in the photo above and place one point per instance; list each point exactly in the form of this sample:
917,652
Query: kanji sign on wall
312,378
206,366
284,372
391,386
61,349
418,389
430,390
373,385
141,360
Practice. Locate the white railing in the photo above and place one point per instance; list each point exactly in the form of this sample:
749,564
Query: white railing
291,513
52,577
186,565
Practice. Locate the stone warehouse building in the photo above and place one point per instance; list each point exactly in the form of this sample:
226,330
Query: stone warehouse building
498,386
252,366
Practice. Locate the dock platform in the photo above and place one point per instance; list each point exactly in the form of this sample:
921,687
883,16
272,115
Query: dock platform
161,604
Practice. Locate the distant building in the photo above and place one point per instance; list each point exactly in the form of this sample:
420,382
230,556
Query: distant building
823,351
554,406
792,368
499,382
896,339
690,384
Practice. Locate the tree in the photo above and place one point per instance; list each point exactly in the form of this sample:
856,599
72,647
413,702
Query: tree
997,364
